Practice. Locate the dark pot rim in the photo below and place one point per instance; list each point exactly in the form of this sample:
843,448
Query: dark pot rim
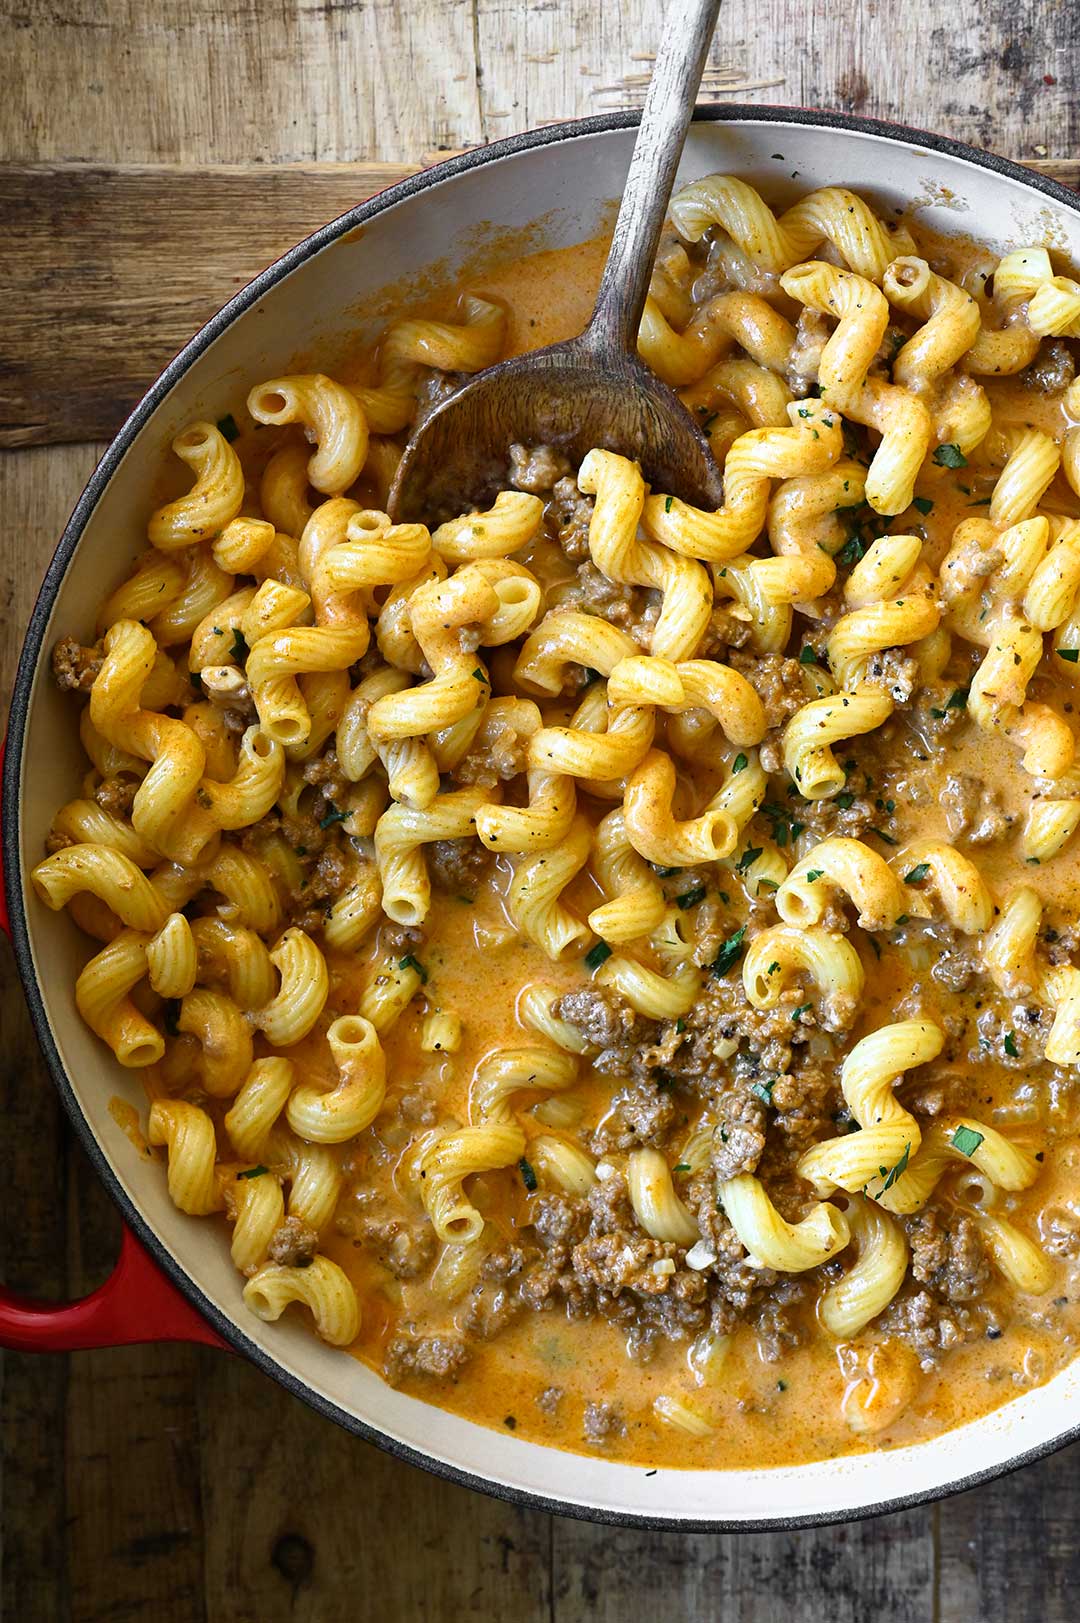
227,1327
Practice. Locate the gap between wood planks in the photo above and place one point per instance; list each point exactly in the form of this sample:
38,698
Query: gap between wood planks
113,268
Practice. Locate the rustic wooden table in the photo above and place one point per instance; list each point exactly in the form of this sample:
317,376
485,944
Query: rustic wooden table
135,140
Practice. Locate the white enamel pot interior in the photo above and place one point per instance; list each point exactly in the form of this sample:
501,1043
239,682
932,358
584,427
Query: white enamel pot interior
340,284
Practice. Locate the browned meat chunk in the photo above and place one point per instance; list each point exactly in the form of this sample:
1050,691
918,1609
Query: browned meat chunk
601,1422
571,512
973,809
1052,370
948,1257
75,667
457,866
436,1356
740,1134
537,468
294,1244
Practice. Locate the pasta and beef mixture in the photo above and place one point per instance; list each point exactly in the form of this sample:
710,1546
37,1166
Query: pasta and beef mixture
612,964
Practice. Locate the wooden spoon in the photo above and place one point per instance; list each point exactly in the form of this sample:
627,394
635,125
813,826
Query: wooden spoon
593,390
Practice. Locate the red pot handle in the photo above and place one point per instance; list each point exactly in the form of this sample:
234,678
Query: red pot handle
136,1303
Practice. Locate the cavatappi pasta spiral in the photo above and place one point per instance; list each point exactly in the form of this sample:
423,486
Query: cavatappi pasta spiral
633,940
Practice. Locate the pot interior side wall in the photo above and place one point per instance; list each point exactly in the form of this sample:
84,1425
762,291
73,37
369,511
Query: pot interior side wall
324,304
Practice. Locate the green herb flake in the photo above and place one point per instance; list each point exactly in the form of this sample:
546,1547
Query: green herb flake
851,551
683,1166
781,1386
763,1090
807,656
881,834
332,816
411,962
748,858
730,952
924,504
845,801
480,674
815,874
958,699
690,898
528,1176
252,1172
897,1171
1071,655
680,1025
1010,1045
739,764
240,649
667,503
949,456
597,955
917,874
966,1140
227,427
797,1014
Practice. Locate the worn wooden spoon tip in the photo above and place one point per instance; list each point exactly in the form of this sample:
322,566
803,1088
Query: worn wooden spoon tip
560,396
594,391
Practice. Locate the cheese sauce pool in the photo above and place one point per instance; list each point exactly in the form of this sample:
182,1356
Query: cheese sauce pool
762,1412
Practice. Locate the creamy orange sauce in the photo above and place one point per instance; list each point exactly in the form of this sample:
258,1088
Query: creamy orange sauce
761,1412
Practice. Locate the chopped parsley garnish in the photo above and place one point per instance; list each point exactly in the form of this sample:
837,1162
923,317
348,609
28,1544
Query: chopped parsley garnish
958,699
917,874
253,1172
227,427
797,1014
1010,1045
240,649
411,962
949,456
851,551
730,952
966,1140
597,955
748,858
739,764
1070,654
690,898
683,1166
807,656
332,815
667,503
845,801
814,874
897,1171
763,1090
923,503
528,1176
480,675
881,834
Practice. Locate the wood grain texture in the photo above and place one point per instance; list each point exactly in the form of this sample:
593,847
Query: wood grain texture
128,261
163,1482
206,81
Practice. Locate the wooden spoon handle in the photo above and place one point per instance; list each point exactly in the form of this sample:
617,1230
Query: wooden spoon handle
665,119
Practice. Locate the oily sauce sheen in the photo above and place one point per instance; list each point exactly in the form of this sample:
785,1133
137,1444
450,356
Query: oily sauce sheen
763,1411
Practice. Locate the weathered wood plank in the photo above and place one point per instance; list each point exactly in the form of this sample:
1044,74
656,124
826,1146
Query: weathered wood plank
200,80
307,1523
34,489
1012,1548
882,1569
133,1476
128,261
